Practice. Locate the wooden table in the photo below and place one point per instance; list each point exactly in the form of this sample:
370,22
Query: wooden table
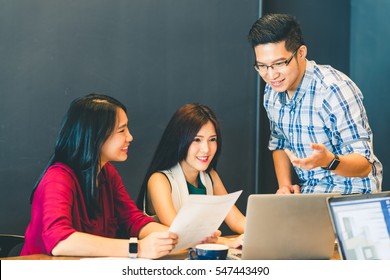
180,255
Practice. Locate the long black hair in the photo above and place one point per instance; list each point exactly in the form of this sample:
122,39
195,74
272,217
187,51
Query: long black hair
90,120
177,138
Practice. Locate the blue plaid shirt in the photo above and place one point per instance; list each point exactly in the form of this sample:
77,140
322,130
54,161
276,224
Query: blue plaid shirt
327,108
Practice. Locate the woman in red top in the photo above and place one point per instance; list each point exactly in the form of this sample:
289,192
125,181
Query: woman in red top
80,206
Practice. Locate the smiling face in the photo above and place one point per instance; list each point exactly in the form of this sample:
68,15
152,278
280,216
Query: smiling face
117,144
288,77
201,151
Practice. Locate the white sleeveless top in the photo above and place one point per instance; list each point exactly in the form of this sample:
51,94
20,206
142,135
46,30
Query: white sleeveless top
179,187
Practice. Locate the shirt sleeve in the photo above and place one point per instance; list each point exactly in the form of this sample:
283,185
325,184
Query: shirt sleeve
277,140
347,120
56,199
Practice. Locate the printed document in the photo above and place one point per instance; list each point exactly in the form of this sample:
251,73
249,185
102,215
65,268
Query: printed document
200,217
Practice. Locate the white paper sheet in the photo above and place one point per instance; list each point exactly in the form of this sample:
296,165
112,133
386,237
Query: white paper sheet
200,217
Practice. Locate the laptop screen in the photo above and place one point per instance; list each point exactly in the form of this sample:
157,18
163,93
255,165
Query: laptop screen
362,226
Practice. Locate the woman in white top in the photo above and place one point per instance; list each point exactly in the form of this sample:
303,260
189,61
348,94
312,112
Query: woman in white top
185,163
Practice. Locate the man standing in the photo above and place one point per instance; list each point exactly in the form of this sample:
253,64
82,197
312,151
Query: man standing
317,118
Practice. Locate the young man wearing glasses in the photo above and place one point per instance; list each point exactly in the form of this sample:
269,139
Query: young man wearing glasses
317,118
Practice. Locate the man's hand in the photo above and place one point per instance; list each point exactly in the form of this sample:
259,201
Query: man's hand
289,189
319,158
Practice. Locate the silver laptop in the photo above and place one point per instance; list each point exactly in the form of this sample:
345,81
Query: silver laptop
288,227
362,225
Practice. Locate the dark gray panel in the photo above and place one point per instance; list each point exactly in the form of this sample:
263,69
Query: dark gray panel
370,61
153,55
325,26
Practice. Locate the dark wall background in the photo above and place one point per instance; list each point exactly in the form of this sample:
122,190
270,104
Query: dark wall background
153,55
369,68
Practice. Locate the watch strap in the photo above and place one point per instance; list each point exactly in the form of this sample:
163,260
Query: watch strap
333,164
133,247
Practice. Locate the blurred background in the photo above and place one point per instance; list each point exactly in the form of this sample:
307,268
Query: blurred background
155,56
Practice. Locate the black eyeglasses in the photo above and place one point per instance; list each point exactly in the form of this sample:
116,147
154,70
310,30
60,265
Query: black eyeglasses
262,68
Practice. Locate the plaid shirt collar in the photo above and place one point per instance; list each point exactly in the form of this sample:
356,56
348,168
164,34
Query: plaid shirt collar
301,90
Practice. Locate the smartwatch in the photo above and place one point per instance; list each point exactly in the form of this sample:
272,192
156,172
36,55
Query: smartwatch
333,164
133,247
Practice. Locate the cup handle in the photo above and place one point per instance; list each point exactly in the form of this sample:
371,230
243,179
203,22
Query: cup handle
190,254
